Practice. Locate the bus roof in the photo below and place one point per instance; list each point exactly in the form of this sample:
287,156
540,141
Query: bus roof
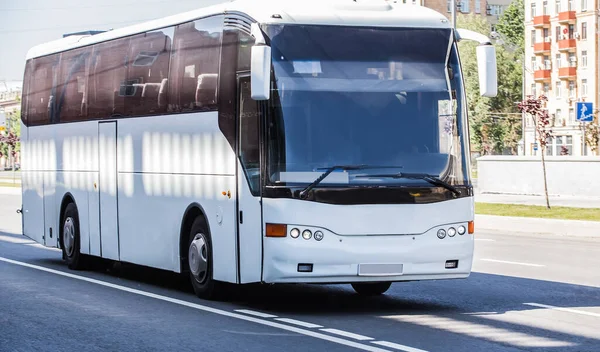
376,13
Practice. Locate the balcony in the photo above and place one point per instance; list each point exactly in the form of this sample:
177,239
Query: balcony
542,47
542,75
567,44
566,17
541,21
567,72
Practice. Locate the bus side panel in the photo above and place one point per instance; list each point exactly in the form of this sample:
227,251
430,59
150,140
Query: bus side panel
77,160
166,163
50,213
32,190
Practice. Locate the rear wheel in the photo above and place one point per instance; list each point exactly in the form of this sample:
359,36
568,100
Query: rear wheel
70,239
371,288
200,262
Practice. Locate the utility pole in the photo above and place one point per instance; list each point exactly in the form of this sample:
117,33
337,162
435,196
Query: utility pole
453,2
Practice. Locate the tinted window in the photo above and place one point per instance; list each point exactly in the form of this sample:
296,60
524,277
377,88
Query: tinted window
25,92
107,79
148,69
249,136
195,65
41,96
245,43
71,88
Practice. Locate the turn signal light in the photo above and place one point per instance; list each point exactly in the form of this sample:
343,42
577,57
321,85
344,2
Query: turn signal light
276,230
471,227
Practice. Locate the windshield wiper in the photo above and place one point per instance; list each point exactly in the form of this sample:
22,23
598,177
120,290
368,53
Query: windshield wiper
304,193
426,177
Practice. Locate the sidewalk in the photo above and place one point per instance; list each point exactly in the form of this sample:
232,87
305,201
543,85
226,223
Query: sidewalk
10,190
508,224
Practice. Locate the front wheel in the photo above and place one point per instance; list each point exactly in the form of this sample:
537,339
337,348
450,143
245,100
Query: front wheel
200,262
371,288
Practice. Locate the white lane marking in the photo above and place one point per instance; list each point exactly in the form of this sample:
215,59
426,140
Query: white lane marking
397,346
514,263
481,331
12,239
485,240
203,308
576,311
347,334
258,314
299,322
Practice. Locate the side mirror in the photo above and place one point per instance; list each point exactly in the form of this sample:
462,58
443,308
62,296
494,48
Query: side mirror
260,72
486,61
486,67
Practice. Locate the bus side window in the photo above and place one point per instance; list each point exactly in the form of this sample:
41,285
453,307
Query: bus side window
194,67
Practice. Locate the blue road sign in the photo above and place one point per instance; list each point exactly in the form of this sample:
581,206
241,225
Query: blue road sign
585,112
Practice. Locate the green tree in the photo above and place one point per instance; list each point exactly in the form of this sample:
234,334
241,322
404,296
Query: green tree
512,25
10,139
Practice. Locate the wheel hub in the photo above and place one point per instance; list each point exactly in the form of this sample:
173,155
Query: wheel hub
197,258
69,236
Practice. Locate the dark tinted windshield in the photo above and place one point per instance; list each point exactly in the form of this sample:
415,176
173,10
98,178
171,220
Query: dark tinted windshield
364,96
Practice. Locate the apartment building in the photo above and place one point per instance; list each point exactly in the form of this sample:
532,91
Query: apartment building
463,6
561,61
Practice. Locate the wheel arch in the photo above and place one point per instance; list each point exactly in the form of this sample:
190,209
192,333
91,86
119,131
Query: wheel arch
193,211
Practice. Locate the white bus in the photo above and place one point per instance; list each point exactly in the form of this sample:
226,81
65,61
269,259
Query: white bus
257,142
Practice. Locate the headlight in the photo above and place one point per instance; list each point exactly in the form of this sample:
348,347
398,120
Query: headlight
461,230
295,233
451,232
441,233
306,234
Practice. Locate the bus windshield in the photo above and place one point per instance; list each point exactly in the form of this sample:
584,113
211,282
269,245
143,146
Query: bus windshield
382,97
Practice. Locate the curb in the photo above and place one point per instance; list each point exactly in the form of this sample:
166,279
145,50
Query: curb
540,226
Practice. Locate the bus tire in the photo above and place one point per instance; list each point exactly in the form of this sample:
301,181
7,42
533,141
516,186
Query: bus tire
371,288
70,238
200,261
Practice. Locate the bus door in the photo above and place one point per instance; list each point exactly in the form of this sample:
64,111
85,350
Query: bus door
107,186
248,179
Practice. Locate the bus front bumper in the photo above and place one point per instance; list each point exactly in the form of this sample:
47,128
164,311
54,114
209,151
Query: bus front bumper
347,259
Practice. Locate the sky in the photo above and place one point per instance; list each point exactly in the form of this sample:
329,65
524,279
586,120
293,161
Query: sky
27,23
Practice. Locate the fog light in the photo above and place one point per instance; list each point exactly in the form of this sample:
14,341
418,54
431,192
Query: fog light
295,233
306,234
461,230
451,264
441,233
451,232
318,235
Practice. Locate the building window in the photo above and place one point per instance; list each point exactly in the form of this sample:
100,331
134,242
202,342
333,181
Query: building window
557,5
571,116
558,61
571,89
584,87
547,62
572,60
477,6
449,5
533,64
584,58
533,91
546,32
557,33
545,7
464,6
532,9
558,91
546,89
583,30
532,37
571,5
583,5
571,31
563,145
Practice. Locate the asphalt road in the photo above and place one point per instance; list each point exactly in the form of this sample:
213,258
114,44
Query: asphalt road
527,293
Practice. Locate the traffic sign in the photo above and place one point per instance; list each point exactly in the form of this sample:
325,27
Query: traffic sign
585,112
